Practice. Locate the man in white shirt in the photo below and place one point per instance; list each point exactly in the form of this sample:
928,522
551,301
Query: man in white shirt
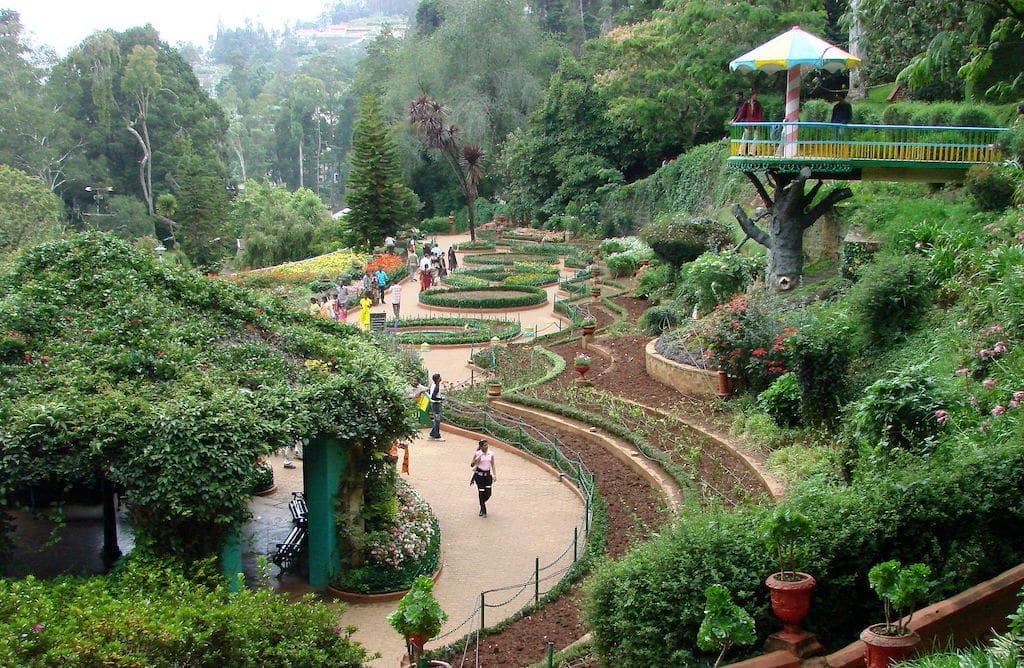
396,300
389,244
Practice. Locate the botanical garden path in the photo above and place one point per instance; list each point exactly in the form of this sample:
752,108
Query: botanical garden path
531,515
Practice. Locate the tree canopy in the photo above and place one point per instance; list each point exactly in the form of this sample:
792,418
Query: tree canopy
117,365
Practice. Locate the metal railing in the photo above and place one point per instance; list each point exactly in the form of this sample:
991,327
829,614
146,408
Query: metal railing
895,143
547,447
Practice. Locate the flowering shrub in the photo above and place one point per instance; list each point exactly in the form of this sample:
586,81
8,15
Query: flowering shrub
406,545
391,264
748,340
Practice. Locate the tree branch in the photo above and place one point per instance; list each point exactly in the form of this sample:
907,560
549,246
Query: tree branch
809,197
749,228
822,207
765,197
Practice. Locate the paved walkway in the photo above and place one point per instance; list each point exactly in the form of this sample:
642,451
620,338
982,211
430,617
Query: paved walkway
531,515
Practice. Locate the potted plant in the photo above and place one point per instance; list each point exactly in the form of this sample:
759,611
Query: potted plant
581,363
901,588
588,325
419,616
494,388
725,624
790,588
263,478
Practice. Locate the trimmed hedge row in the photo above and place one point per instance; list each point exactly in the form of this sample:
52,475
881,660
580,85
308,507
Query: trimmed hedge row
483,297
508,258
479,330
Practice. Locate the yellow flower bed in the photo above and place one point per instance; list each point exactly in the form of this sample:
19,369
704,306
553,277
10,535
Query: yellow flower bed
330,264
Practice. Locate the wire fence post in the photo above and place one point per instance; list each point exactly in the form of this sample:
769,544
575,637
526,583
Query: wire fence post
551,654
575,541
536,580
482,606
586,515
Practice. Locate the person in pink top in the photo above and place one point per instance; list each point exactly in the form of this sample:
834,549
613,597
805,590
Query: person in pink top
484,473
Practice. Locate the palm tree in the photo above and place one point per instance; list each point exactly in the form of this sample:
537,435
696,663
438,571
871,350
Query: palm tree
466,161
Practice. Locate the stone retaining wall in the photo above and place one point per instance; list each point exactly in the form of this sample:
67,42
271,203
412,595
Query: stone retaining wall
688,380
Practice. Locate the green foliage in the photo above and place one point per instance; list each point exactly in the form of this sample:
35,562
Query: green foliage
622,264
172,385
677,239
658,319
276,225
974,116
715,278
781,400
820,351
725,624
171,620
507,296
418,612
782,532
653,282
890,297
381,203
746,338
816,111
31,212
901,588
470,330
992,187
898,412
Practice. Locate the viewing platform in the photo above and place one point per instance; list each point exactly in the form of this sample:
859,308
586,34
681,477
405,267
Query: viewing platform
931,154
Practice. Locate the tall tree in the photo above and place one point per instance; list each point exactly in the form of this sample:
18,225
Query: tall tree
31,213
379,199
140,81
465,160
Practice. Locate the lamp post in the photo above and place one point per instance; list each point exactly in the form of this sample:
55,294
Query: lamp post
160,250
98,193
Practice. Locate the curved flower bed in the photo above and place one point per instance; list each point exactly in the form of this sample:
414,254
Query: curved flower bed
469,330
535,279
398,554
509,258
475,245
508,296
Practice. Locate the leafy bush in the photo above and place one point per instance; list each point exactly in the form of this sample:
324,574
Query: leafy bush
746,338
820,352
991,187
150,614
782,400
658,319
435,225
898,113
714,278
622,264
970,116
485,297
891,296
677,239
816,111
651,283
898,412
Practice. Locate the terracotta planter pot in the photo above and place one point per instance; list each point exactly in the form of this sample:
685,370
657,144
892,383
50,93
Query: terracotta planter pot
882,651
595,292
582,370
791,600
588,330
724,385
494,389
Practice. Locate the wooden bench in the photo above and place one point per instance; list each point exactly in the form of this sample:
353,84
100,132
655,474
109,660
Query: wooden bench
290,555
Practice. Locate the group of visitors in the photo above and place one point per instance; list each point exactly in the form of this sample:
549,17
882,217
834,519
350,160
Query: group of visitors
750,110
433,266
332,305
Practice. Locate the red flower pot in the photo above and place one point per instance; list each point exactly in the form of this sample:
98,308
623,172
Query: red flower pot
582,370
882,651
589,329
791,600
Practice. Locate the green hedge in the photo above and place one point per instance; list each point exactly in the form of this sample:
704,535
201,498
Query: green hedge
474,245
476,330
484,297
508,258
957,511
150,614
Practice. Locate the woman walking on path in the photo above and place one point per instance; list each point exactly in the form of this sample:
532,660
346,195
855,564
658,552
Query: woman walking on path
484,473
453,263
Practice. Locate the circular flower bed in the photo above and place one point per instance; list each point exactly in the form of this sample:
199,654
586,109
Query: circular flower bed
474,245
397,554
497,297
459,330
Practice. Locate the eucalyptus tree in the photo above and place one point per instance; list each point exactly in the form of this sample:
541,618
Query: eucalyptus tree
31,212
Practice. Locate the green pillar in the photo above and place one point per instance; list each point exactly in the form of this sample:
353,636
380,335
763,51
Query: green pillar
231,557
323,465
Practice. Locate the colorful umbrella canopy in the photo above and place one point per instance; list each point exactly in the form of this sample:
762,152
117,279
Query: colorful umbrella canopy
796,51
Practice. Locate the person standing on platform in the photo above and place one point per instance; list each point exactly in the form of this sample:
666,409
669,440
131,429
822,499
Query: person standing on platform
842,111
750,112
436,399
484,473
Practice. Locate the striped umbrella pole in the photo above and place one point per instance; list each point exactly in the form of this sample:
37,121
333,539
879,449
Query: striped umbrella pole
792,110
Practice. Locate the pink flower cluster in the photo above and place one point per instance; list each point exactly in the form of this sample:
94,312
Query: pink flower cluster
410,533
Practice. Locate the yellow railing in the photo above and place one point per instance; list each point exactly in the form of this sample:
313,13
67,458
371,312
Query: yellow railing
887,143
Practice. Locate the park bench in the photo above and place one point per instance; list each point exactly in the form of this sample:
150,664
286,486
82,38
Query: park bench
290,554
299,510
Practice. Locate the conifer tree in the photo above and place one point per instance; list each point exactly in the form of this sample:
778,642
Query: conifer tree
380,200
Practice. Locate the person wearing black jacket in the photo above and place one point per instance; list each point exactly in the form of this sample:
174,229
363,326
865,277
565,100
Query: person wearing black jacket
436,398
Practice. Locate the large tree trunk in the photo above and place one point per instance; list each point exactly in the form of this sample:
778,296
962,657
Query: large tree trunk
790,212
